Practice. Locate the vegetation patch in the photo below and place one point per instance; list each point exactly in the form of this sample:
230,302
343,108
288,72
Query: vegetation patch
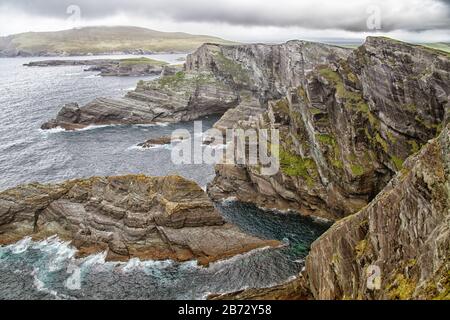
361,248
414,146
382,142
143,60
315,111
234,69
329,140
282,106
353,100
295,166
402,288
184,81
173,80
302,93
357,169
398,163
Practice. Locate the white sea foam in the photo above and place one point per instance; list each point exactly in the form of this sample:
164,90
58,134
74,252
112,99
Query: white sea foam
40,285
95,259
131,265
21,246
156,124
92,76
53,130
136,147
97,126
140,148
229,200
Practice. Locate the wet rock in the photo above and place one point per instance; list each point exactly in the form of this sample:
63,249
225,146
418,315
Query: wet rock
133,67
160,141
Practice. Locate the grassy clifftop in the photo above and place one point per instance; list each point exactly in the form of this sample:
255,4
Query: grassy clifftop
443,46
98,40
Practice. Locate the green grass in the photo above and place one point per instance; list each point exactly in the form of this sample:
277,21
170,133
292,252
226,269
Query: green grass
440,46
326,139
357,170
414,146
142,60
382,142
282,106
335,156
295,166
184,83
398,163
174,80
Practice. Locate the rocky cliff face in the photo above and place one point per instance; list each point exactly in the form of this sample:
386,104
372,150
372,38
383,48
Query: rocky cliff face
129,216
347,122
346,131
404,232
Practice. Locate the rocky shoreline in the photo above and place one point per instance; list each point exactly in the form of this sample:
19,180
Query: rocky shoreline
134,216
131,67
177,96
357,129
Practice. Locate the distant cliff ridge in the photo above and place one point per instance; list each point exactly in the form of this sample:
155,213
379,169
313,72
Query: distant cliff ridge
101,40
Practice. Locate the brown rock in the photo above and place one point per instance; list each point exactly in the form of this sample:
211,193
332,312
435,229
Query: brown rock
130,216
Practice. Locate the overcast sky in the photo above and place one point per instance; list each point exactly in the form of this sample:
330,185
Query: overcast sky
240,20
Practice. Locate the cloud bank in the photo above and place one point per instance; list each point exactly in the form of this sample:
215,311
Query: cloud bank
312,17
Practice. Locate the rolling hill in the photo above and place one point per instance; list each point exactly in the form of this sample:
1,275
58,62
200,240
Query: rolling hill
101,40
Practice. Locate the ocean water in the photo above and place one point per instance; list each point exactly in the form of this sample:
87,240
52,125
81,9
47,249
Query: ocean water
48,269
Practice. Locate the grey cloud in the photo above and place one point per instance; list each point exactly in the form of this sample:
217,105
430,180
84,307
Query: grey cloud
282,13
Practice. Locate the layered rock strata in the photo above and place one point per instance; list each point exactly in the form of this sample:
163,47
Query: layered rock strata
347,122
173,98
130,216
397,247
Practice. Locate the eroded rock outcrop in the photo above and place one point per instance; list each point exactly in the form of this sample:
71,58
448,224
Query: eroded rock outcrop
129,216
173,98
132,67
161,141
